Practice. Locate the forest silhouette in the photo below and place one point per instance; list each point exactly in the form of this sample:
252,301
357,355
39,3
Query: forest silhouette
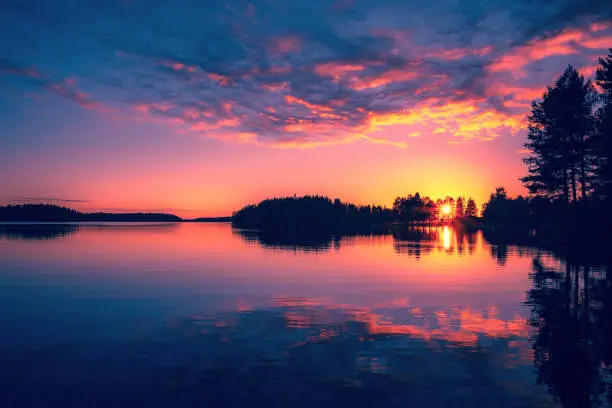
55,213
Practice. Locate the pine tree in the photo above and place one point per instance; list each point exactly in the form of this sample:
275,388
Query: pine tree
470,209
559,138
459,210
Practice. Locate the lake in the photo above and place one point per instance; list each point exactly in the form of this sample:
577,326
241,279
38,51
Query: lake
203,315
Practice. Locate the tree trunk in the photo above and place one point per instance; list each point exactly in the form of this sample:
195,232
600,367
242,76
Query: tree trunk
565,187
583,176
573,179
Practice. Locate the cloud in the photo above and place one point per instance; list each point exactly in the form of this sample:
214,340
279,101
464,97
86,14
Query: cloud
67,89
46,200
597,36
8,67
305,73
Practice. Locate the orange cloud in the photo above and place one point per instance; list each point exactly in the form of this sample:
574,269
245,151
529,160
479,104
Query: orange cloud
464,119
383,79
311,127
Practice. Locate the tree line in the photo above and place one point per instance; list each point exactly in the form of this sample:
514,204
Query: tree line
414,208
56,213
307,213
319,212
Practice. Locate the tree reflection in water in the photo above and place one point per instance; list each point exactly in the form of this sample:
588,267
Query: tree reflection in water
571,310
37,231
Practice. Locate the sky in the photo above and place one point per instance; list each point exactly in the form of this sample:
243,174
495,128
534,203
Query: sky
198,107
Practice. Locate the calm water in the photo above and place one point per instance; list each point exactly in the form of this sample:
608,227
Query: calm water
203,315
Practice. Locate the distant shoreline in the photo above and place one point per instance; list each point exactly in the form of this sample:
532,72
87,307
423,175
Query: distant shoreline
49,213
34,222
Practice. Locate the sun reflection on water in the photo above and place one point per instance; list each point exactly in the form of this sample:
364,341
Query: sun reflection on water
446,237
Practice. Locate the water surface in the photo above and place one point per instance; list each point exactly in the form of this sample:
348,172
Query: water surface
200,314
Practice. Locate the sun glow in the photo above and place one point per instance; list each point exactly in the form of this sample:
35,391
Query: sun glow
446,209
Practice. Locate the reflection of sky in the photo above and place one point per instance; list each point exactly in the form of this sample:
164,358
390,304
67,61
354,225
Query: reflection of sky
177,269
150,105
201,299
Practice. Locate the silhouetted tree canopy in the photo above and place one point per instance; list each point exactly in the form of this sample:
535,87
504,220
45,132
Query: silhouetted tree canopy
308,212
413,208
459,207
502,209
470,209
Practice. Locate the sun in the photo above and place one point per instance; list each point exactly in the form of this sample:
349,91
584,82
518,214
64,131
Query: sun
446,209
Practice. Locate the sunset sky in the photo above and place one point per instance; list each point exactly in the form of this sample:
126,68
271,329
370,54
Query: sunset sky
198,107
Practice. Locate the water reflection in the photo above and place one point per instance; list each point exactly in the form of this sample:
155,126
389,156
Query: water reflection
411,241
307,241
303,352
446,237
42,231
307,352
430,317
37,231
571,312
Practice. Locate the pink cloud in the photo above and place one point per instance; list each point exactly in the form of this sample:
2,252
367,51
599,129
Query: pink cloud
518,93
284,45
275,87
588,71
337,70
220,79
314,107
567,42
67,88
454,54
